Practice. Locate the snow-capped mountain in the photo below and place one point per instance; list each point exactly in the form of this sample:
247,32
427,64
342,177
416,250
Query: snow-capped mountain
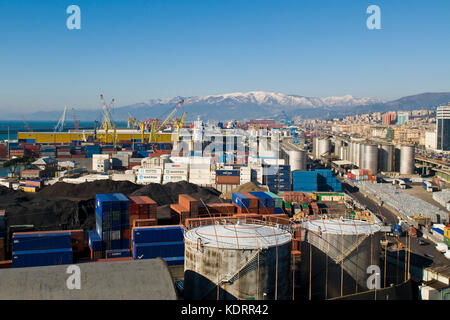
265,99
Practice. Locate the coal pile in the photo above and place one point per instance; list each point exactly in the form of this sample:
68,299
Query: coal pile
64,206
88,190
165,194
46,212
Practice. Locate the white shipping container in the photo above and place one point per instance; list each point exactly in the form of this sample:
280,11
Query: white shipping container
172,172
179,160
199,171
175,166
173,178
150,171
199,181
143,177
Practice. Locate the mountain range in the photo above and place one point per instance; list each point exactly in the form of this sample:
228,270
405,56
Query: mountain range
255,104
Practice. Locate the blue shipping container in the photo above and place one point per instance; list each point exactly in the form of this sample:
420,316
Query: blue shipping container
36,258
41,241
240,200
120,253
158,249
174,261
94,241
159,234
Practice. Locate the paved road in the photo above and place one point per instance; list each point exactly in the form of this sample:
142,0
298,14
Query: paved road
421,250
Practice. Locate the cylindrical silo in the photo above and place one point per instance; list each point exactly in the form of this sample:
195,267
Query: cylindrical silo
339,253
386,157
297,160
337,146
355,153
315,150
324,147
371,158
407,163
244,261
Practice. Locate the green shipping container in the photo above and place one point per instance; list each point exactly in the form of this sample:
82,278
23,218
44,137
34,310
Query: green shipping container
276,199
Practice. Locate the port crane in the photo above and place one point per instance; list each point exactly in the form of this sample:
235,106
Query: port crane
153,129
26,124
60,125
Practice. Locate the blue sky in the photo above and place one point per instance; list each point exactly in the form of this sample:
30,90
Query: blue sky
135,50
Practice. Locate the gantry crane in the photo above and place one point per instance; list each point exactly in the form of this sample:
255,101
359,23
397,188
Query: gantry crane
26,124
153,128
60,125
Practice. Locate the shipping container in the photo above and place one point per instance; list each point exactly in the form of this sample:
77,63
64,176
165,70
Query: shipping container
41,241
36,258
157,234
158,249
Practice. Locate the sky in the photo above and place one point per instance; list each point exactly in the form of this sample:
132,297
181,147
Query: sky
136,50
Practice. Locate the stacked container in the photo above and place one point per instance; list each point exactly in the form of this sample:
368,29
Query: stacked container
149,175
278,202
175,172
95,245
245,203
245,175
142,207
228,177
266,203
327,181
112,220
305,181
31,249
187,207
159,241
277,177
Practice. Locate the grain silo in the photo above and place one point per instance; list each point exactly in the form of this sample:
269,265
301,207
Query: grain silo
386,157
407,163
324,147
315,151
371,158
237,260
335,256
295,156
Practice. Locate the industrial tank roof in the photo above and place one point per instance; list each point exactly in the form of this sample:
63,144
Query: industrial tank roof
344,227
239,236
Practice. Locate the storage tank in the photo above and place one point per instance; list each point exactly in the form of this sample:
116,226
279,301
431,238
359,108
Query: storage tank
315,150
324,147
351,146
297,160
355,153
407,163
371,158
238,260
339,252
337,146
386,157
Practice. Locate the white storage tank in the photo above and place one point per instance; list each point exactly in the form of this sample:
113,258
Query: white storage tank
237,260
407,163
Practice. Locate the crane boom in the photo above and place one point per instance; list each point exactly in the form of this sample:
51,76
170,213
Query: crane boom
60,125
179,104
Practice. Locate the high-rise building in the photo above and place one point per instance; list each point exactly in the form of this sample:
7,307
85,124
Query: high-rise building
402,117
389,118
443,127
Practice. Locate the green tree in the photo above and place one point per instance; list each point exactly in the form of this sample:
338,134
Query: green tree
12,164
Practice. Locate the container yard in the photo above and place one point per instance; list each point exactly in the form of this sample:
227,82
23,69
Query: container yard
255,215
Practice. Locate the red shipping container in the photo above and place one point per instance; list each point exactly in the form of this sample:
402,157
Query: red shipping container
5,264
252,199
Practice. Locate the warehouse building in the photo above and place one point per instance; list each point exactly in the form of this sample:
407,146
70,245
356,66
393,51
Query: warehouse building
119,280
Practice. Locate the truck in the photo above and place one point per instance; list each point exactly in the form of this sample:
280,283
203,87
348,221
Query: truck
397,230
428,186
